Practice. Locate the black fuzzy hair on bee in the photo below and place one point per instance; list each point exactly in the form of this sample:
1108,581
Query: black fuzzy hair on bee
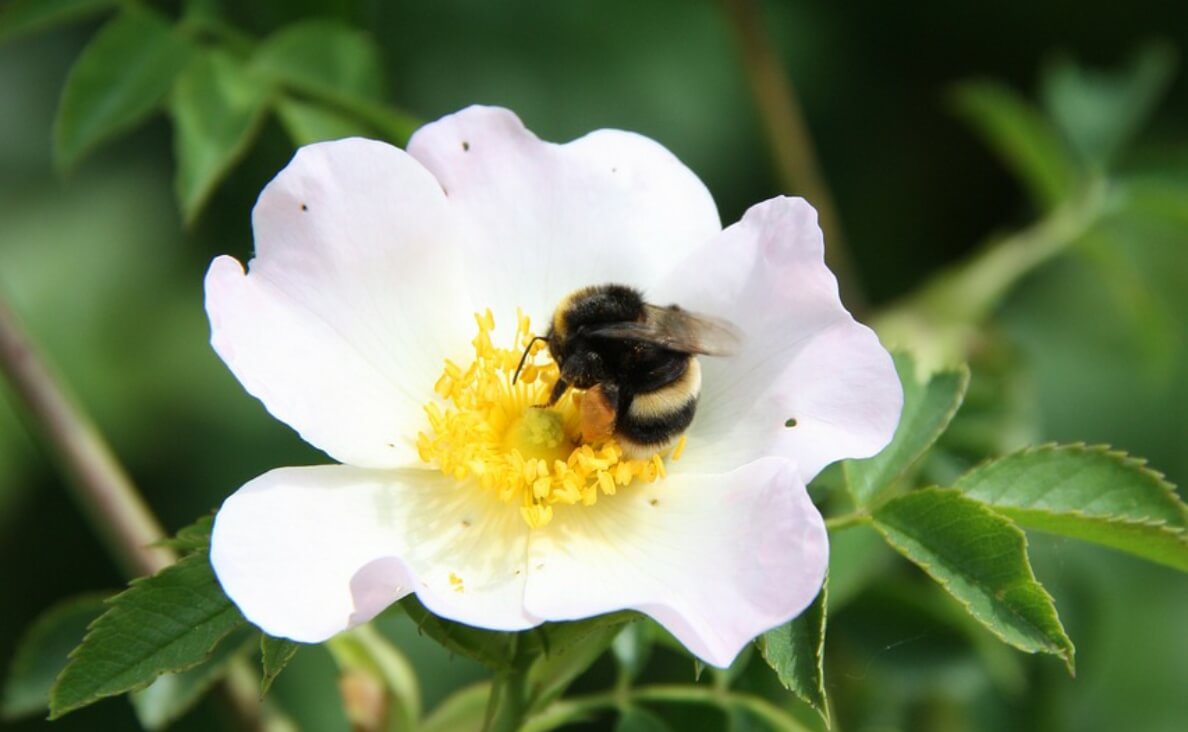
636,361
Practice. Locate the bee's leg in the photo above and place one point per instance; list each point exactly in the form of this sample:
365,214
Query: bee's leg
600,407
558,391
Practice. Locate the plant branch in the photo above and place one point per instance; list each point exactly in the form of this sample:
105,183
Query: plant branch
845,521
941,321
789,139
100,485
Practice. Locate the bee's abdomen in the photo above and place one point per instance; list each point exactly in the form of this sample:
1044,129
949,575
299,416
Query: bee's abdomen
660,430
656,418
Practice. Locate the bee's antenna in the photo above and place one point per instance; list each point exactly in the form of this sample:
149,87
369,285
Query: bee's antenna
527,350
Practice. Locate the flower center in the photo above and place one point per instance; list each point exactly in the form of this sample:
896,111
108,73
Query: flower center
487,429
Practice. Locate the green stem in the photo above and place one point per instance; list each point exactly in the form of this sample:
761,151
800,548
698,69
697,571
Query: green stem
508,704
940,321
101,487
789,139
575,708
845,521
970,291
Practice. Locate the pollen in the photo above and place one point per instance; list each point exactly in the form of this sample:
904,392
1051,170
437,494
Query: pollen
487,431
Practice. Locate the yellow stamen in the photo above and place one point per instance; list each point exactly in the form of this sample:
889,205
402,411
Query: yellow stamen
494,433
679,449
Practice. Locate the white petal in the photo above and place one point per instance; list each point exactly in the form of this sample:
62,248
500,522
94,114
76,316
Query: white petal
715,559
803,357
308,552
351,303
544,219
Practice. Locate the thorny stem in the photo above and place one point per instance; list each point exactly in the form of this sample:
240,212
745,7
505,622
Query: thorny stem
100,485
789,138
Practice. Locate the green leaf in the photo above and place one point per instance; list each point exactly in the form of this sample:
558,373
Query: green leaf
491,648
217,107
463,711
322,56
172,695
1089,493
568,649
796,652
169,622
337,65
192,538
1100,112
1025,141
308,122
927,411
22,17
275,654
637,719
980,557
42,653
119,79
1156,197
632,648
857,557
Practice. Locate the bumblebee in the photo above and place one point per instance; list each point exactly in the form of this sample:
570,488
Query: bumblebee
635,361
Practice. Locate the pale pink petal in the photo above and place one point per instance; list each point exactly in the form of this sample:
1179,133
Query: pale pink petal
352,301
544,219
308,552
803,358
715,559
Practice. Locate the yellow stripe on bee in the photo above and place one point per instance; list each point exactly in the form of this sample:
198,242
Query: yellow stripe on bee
670,397
486,431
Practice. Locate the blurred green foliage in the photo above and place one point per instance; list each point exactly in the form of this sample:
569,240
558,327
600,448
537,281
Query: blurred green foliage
1091,346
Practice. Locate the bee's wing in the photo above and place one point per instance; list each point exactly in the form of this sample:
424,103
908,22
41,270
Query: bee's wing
678,330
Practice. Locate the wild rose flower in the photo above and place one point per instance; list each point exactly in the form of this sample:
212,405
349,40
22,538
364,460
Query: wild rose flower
356,325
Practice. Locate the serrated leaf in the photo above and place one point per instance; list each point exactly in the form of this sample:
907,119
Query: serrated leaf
337,65
309,122
796,652
637,719
23,17
927,410
119,79
275,654
169,622
192,538
217,108
1026,142
1089,493
980,558
491,648
170,696
1100,112
42,653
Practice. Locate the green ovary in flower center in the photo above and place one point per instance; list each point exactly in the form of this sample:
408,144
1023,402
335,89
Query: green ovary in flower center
491,431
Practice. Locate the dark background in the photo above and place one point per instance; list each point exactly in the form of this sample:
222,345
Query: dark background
109,282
